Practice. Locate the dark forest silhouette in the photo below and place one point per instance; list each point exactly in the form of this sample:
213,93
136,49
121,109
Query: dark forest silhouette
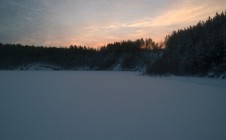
129,54
196,50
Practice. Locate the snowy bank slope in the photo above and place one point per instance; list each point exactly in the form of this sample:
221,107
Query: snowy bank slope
37,105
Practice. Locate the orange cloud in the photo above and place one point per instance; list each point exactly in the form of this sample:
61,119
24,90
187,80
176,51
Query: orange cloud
174,17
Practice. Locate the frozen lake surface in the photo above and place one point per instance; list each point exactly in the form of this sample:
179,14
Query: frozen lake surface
58,105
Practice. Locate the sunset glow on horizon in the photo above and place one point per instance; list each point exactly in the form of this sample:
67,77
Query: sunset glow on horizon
96,23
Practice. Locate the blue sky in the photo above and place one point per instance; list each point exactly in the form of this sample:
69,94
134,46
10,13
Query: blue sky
97,22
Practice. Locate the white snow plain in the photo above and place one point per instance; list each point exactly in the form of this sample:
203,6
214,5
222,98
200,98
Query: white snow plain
72,105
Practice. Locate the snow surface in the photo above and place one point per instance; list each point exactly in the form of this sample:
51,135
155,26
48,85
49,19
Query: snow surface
60,105
38,67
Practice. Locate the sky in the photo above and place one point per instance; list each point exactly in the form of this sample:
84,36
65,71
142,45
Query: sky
95,23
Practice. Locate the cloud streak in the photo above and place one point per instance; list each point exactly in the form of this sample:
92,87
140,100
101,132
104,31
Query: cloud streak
178,16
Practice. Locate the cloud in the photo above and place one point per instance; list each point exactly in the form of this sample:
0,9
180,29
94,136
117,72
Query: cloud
183,13
20,19
186,13
177,16
95,23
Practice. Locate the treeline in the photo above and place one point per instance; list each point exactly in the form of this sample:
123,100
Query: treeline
128,55
196,50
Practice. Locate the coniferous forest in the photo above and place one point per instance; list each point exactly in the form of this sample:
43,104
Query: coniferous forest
130,55
196,50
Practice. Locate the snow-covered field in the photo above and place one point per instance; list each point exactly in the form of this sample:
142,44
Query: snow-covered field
60,105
